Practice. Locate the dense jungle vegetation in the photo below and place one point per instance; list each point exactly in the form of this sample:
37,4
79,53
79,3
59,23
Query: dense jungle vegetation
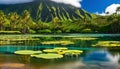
24,23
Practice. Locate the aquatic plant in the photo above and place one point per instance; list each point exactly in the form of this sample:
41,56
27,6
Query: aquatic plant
58,42
61,48
27,52
73,52
107,43
48,56
50,51
85,38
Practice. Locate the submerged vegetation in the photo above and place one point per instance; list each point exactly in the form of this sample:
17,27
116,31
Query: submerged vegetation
24,23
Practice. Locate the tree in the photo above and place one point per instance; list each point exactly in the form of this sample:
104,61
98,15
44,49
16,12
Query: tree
56,24
14,20
107,13
118,10
2,20
26,21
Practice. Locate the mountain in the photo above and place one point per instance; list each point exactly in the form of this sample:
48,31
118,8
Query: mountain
46,10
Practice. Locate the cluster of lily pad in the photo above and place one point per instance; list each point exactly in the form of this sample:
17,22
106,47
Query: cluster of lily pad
108,43
14,39
58,42
85,38
49,53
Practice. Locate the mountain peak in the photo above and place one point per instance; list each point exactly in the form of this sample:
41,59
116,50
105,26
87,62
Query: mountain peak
46,10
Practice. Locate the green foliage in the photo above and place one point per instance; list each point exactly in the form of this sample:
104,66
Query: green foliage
44,31
10,32
59,31
25,24
87,30
32,31
2,20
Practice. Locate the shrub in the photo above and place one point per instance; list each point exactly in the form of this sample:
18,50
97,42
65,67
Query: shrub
87,30
58,31
44,31
32,31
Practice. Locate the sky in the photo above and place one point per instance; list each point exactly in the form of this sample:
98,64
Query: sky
100,6
93,6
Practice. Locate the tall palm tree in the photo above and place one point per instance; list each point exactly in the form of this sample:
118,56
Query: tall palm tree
118,10
26,21
14,20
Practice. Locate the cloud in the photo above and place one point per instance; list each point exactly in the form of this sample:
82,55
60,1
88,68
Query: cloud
102,14
75,3
111,9
14,1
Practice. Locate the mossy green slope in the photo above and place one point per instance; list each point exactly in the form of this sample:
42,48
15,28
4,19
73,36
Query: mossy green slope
46,10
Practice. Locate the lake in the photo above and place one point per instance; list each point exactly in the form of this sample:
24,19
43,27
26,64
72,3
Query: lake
100,51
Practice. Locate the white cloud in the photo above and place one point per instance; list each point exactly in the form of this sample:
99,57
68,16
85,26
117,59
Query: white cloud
14,1
102,14
75,3
111,9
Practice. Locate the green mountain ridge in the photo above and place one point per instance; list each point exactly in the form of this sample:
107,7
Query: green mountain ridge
45,10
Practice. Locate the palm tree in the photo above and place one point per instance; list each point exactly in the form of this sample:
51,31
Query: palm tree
2,20
118,10
26,21
14,20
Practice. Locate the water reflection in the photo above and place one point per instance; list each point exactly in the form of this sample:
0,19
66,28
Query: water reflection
93,59
102,60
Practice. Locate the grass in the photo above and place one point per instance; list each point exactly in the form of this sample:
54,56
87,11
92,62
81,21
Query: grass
10,32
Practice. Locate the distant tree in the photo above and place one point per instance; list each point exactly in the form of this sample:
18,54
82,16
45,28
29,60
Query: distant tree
56,24
14,20
2,20
56,21
26,21
107,13
118,10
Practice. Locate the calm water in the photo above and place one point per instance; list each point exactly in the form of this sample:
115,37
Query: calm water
93,57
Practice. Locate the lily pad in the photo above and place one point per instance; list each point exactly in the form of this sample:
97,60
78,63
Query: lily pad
107,43
61,48
37,52
85,38
48,56
50,50
27,52
73,52
58,42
